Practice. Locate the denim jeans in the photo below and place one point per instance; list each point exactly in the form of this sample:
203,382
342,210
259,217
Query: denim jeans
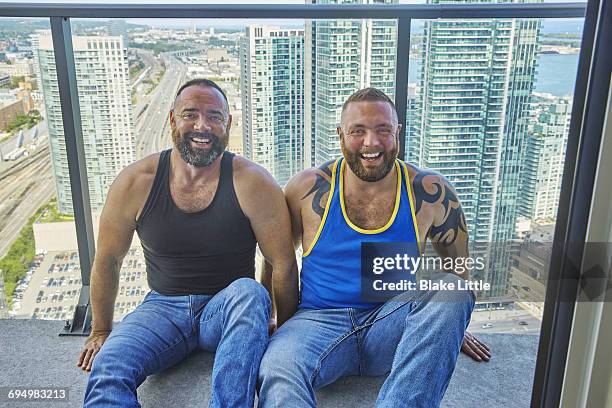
416,338
163,330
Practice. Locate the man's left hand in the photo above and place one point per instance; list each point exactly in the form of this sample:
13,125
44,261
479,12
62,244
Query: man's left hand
475,348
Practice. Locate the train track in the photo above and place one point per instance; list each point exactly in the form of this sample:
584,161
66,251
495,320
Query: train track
23,163
12,181
23,189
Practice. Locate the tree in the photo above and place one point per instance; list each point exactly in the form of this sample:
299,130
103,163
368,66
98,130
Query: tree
15,80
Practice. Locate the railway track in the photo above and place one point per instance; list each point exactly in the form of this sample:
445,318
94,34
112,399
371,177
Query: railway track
28,161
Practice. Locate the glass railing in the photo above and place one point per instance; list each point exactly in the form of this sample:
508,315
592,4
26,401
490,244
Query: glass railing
476,85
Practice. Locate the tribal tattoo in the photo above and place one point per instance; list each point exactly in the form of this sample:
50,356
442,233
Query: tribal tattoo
454,219
321,187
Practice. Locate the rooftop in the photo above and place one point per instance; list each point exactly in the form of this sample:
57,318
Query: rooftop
33,355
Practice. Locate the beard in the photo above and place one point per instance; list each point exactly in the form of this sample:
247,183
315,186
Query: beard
195,156
354,162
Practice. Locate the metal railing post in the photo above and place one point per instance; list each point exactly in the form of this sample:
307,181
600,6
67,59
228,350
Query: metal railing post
75,153
402,62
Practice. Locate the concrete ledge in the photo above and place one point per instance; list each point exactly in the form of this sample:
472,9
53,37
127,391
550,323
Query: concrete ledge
33,355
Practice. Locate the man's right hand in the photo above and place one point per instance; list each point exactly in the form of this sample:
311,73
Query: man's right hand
92,347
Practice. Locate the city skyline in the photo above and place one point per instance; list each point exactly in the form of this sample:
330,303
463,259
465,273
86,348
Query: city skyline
476,82
215,54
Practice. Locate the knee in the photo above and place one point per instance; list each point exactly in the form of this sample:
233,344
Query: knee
247,299
248,290
460,293
458,301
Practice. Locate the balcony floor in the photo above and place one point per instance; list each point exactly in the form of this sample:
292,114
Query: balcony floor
33,355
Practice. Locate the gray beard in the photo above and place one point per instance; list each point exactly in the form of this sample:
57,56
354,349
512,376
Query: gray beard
200,157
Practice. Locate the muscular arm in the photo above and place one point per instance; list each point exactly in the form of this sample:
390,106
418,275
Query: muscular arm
448,231
263,202
117,225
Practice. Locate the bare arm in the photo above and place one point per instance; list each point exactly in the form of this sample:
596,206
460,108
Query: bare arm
449,236
263,202
448,231
117,225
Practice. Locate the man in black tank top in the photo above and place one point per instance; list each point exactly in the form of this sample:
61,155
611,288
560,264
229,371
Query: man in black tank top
199,212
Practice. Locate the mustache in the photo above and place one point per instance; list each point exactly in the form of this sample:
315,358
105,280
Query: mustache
202,135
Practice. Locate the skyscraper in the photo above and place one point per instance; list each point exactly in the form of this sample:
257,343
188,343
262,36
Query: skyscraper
544,158
34,40
116,28
272,89
104,98
476,83
342,56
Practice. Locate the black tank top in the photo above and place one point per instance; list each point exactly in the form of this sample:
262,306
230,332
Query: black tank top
195,253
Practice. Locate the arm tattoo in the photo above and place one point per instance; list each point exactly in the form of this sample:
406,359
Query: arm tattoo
446,234
454,219
321,187
420,194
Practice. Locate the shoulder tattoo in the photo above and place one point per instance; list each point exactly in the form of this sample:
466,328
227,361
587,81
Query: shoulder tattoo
454,218
321,186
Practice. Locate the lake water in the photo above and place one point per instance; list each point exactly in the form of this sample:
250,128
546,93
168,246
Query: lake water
556,73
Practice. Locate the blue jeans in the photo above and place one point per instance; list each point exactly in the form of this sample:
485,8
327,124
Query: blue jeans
416,338
163,330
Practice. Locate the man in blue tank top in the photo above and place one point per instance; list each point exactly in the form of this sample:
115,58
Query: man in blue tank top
370,196
198,211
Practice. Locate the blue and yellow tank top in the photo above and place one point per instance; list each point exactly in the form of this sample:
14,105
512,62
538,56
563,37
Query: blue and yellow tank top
331,266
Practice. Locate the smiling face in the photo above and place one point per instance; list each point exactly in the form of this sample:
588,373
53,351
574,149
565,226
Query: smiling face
200,124
369,138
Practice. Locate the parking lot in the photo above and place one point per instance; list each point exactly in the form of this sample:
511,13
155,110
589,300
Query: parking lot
51,288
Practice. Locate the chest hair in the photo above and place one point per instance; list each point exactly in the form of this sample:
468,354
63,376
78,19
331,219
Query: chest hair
190,198
370,212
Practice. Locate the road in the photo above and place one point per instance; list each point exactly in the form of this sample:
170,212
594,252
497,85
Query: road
151,64
152,67
27,183
152,131
24,187
23,192
505,321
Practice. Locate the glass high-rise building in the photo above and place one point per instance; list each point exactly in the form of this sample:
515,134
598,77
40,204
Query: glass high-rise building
272,89
106,114
117,28
470,123
342,56
544,159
